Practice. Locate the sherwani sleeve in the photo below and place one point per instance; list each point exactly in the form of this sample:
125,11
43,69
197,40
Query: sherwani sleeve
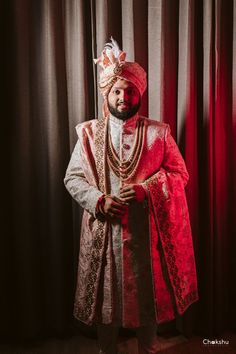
172,173
78,186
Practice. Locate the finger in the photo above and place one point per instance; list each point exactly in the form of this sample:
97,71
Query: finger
113,197
120,205
109,208
126,188
117,210
127,194
129,199
118,201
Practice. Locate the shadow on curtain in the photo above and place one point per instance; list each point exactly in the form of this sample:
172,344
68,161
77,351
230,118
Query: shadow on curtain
188,50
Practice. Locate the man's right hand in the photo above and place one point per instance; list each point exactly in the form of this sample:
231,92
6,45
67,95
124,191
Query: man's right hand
114,207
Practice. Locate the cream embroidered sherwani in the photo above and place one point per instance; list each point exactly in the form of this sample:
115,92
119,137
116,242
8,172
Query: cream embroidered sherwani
128,269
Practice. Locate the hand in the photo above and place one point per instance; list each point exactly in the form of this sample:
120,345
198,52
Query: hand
132,192
114,207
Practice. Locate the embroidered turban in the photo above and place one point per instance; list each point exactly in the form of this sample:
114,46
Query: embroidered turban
114,67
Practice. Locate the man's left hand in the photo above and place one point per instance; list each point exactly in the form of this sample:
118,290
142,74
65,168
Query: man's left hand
132,192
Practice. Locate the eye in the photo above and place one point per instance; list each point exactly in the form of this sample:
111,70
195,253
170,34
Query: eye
130,91
117,92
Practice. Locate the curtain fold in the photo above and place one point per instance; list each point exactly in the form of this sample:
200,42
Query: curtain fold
188,49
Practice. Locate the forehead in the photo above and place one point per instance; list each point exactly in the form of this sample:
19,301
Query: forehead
123,84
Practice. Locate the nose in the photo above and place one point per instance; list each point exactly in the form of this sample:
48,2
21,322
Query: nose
123,96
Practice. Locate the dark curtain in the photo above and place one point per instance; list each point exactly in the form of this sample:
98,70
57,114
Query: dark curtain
188,50
37,260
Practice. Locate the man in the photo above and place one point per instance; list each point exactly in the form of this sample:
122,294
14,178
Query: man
136,263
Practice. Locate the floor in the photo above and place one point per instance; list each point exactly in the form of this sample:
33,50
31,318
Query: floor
84,345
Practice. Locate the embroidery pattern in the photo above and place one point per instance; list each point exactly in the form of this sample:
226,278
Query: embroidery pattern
91,290
99,154
159,199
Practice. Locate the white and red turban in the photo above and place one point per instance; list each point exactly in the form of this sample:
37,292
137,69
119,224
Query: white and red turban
114,67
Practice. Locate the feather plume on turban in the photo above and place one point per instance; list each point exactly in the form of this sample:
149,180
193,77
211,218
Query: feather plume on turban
114,67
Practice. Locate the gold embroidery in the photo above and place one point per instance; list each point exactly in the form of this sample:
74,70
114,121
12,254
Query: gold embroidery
159,204
108,83
98,241
118,69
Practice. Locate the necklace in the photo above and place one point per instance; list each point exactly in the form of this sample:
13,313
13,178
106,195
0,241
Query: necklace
126,168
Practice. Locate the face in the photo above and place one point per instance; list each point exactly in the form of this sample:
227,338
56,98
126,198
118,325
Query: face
123,99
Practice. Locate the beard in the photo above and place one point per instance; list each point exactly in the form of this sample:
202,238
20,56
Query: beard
125,114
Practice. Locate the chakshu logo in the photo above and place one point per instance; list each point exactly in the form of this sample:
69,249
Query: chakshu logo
217,342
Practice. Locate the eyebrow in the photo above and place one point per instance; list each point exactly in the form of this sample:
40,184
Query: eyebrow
121,88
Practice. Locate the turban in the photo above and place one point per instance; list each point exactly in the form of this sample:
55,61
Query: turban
114,67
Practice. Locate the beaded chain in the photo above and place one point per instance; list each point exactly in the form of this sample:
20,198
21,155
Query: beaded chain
126,168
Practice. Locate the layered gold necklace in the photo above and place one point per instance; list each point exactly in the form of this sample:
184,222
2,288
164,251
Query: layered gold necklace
126,168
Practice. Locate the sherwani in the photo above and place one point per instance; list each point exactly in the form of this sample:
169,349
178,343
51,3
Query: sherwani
139,269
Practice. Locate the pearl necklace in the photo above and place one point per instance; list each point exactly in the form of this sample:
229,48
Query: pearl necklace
126,168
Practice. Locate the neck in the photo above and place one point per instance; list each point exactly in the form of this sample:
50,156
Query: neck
122,121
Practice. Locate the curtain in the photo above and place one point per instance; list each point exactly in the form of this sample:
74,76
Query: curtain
188,49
